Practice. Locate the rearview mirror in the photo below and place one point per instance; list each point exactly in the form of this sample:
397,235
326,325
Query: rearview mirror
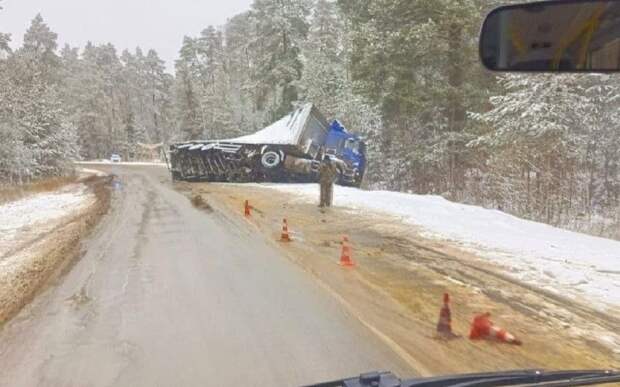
553,36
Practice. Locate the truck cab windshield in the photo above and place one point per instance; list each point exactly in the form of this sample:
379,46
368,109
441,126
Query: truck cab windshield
352,145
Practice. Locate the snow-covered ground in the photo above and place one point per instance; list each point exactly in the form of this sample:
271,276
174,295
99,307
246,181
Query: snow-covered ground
108,162
89,172
557,260
38,213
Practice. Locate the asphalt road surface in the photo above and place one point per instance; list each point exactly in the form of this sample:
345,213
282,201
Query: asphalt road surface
167,295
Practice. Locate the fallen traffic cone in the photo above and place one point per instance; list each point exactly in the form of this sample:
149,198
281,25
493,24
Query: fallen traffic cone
345,256
444,325
482,328
285,235
504,336
247,208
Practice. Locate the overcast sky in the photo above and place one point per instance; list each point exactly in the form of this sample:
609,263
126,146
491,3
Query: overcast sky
158,24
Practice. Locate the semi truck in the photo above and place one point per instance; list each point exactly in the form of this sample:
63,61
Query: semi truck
289,150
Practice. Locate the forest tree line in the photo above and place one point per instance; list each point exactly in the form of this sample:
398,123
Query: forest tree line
404,73
62,104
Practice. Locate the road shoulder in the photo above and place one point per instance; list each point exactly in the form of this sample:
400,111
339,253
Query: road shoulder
397,287
43,250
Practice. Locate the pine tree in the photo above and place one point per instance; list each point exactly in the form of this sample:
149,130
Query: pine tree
413,59
215,97
600,143
16,160
40,44
157,91
103,93
34,108
5,49
238,34
4,42
324,81
550,146
324,75
280,28
187,91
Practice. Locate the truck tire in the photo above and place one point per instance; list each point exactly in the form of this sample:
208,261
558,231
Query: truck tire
271,159
341,178
358,183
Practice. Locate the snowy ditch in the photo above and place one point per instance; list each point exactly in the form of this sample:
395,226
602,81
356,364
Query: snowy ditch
38,213
560,261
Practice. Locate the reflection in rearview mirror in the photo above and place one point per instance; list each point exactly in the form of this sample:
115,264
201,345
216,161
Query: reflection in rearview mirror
553,36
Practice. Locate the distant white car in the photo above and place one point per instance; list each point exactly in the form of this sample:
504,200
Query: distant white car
115,158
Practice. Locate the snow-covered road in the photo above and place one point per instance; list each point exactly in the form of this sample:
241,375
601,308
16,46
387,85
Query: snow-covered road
557,260
169,295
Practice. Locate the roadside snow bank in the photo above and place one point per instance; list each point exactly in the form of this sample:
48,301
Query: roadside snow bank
557,260
108,162
94,172
35,213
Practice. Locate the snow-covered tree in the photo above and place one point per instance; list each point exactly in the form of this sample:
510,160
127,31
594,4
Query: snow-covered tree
552,146
325,80
116,103
40,44
215,97
280,28
187,91
324,61
4,42
240,64
30,106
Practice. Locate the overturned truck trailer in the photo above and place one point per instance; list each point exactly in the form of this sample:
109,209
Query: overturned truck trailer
289,150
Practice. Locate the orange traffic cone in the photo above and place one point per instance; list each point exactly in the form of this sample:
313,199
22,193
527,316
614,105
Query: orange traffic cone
444,325
483,328
480,327
285,235
247,208
345,255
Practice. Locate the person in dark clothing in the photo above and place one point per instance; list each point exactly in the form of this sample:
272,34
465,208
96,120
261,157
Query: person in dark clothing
327,175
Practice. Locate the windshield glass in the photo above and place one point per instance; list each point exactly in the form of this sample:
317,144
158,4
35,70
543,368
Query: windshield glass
287,192
352,145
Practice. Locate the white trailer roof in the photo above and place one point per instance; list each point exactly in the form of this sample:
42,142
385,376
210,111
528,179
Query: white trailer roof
285,131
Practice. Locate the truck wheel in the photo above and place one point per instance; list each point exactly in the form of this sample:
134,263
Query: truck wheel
358,181
271,159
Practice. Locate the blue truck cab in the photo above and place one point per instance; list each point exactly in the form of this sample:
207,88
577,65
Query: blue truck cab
351,150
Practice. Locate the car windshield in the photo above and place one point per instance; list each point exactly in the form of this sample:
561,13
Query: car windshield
288,192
